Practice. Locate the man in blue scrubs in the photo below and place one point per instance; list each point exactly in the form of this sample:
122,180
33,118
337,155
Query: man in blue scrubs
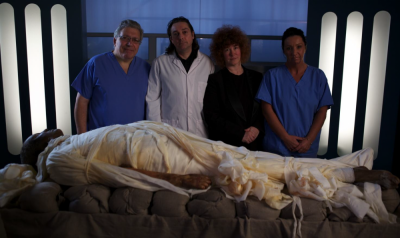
112,86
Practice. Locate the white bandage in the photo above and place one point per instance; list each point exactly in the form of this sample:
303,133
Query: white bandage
344,175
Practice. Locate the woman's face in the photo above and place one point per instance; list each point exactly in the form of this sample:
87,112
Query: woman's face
232,55
294,49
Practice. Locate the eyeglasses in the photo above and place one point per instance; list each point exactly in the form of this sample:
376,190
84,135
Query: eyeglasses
128,39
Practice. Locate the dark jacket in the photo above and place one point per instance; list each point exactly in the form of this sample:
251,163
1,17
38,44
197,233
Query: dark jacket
224,113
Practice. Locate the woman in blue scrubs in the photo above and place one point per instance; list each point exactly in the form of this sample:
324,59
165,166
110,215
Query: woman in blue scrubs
294,99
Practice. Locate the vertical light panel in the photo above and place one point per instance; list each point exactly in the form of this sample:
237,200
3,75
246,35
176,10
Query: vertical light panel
351,69
61,72
9,67
35,67
326,63
376,80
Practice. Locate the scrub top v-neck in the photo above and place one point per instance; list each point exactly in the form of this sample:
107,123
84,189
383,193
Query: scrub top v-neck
115,97
295,104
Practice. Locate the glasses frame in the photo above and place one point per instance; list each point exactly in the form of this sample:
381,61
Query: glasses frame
129,39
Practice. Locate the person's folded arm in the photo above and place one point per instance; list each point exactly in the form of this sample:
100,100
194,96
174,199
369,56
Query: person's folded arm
318,122
250,134
259,123
153,97
290,141
212,113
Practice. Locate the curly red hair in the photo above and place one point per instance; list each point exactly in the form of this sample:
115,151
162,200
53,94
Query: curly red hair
226,36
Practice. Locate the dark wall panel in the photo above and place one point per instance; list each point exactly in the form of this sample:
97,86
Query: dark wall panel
390,122
76,27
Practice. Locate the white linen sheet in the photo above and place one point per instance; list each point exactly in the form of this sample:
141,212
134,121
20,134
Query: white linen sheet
97,157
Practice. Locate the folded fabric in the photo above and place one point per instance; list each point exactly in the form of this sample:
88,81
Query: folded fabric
312,210
130,201
378,212
391,199
42,197
252,207
91,198
340,214
211,204
169,204
14,179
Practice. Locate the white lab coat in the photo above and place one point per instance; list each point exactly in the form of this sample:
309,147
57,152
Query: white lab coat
175,96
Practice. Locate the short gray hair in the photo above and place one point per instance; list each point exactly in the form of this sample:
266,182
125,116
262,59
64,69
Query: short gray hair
128,23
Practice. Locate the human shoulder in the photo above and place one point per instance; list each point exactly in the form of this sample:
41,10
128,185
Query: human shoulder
102,57
164,58
142,62
86,79
102,60
217,76
276,73
253,73
316,73
206,62
314,69
278,69
202,56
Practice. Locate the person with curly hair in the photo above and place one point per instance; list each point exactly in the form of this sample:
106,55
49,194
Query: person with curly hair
231,113
294,99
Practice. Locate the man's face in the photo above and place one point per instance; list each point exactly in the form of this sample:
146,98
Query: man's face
127,44
182,37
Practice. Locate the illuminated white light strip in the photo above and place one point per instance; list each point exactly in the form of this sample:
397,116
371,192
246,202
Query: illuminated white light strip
376,80
35,67
326,63
61,72
350,82
9,67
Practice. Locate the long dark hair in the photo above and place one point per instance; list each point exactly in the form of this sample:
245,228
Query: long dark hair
171,48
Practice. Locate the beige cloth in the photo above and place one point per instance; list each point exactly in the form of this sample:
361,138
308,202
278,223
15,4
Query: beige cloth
14,179
96,157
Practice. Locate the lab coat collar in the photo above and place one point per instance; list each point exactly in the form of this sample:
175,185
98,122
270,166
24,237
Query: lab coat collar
175,60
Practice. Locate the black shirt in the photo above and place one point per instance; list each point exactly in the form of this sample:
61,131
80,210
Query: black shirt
188,62
243,91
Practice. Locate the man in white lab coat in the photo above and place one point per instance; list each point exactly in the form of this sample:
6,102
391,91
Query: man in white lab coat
178,80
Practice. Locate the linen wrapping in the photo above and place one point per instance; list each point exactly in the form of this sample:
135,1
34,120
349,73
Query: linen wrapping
97,157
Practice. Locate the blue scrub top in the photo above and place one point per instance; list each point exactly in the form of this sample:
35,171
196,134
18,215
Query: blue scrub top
115,97
295,105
